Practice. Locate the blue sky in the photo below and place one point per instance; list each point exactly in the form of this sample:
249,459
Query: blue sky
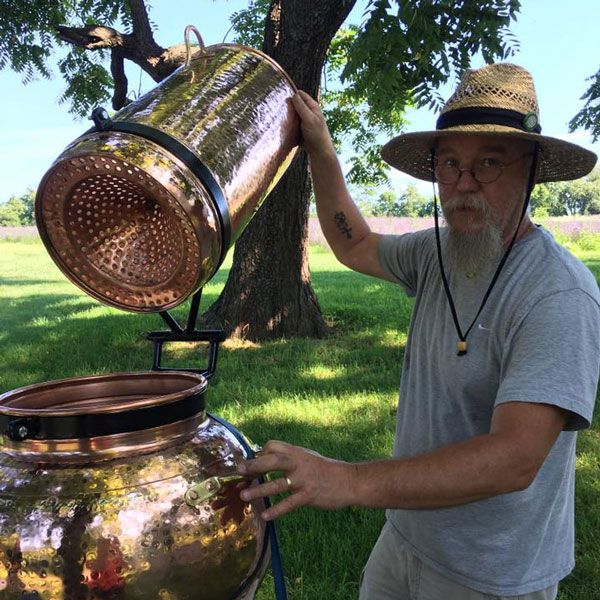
559,40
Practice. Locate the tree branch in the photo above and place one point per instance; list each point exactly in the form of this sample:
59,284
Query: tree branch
141,23
157,61
117,69
91,37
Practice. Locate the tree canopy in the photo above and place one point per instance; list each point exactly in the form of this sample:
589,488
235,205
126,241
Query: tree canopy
396,58
589,116
18,210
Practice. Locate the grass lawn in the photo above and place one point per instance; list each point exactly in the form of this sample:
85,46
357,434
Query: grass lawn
336,395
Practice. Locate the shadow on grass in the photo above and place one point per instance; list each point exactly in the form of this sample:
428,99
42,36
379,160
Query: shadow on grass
50,336
583,582
326,368
18,312
360,437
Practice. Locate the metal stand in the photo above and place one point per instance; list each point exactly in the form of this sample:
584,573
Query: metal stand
188,334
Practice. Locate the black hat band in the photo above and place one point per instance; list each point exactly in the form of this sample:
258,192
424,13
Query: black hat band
490,116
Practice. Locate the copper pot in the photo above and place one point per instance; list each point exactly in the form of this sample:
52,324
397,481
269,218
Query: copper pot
121,486
140,211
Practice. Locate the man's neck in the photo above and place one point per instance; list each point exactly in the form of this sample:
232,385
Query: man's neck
525,228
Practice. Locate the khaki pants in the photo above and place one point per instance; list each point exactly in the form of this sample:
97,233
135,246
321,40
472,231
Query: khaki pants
391,573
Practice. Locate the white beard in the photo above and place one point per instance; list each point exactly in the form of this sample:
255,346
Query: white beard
472,253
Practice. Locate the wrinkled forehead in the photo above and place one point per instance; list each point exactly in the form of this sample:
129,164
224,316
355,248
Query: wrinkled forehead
504,146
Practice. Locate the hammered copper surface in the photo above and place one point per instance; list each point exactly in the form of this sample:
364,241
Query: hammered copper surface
131,225
232,107
122,529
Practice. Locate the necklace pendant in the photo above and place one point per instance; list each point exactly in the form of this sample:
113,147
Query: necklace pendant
461,345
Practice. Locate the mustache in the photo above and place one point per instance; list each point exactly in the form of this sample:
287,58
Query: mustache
467,201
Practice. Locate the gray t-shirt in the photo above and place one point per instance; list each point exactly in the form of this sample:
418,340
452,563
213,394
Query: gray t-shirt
536,340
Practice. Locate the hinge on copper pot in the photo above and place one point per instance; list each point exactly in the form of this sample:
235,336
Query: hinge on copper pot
207,489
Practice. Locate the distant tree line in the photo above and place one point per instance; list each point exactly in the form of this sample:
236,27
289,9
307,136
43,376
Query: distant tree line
18,210
409,203
558,199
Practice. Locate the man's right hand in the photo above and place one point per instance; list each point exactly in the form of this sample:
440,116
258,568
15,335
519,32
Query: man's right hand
314,129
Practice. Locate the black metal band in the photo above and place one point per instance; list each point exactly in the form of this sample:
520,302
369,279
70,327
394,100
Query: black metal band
185,155
489,116
19,428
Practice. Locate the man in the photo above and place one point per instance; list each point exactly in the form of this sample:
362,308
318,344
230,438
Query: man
500,369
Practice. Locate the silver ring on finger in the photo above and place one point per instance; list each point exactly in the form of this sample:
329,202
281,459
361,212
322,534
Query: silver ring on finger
289,483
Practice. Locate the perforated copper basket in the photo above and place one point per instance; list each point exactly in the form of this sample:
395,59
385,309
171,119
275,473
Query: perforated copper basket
140,211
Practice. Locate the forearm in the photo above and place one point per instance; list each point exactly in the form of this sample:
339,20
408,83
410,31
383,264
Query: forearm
341,222
505,460
346,231
477,468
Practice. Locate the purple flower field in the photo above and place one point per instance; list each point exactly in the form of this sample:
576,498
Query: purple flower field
570,226
18,232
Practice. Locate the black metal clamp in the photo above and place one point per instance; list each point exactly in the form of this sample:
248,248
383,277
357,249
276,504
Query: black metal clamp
66,427
18,429
101,118
188,334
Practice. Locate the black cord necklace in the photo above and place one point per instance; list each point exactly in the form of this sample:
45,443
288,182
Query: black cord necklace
461,345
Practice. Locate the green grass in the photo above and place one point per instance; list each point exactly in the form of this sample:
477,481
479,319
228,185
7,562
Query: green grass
335,395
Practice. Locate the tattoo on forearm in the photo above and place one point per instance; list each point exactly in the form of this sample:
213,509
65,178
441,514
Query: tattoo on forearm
342,223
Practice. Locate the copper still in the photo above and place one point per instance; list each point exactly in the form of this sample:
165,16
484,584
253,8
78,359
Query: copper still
123,486
140,211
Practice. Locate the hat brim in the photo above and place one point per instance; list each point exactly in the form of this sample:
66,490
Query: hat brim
559,160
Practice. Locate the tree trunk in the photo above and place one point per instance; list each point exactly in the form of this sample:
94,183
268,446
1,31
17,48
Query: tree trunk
269,293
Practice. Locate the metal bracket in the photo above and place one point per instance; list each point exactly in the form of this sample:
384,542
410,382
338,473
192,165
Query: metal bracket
101,118
189,334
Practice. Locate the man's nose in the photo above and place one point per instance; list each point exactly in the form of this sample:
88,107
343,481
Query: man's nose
466,181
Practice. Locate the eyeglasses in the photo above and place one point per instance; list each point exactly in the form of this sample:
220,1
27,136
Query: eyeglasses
485,170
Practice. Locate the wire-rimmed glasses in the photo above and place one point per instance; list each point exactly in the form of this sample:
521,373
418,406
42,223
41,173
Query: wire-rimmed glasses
484,170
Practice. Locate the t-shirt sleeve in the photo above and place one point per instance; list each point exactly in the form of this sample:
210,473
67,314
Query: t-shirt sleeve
402,257
552,356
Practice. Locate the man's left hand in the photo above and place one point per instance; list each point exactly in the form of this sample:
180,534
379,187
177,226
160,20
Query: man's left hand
310,479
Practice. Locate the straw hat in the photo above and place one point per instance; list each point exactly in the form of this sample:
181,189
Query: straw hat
496,100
